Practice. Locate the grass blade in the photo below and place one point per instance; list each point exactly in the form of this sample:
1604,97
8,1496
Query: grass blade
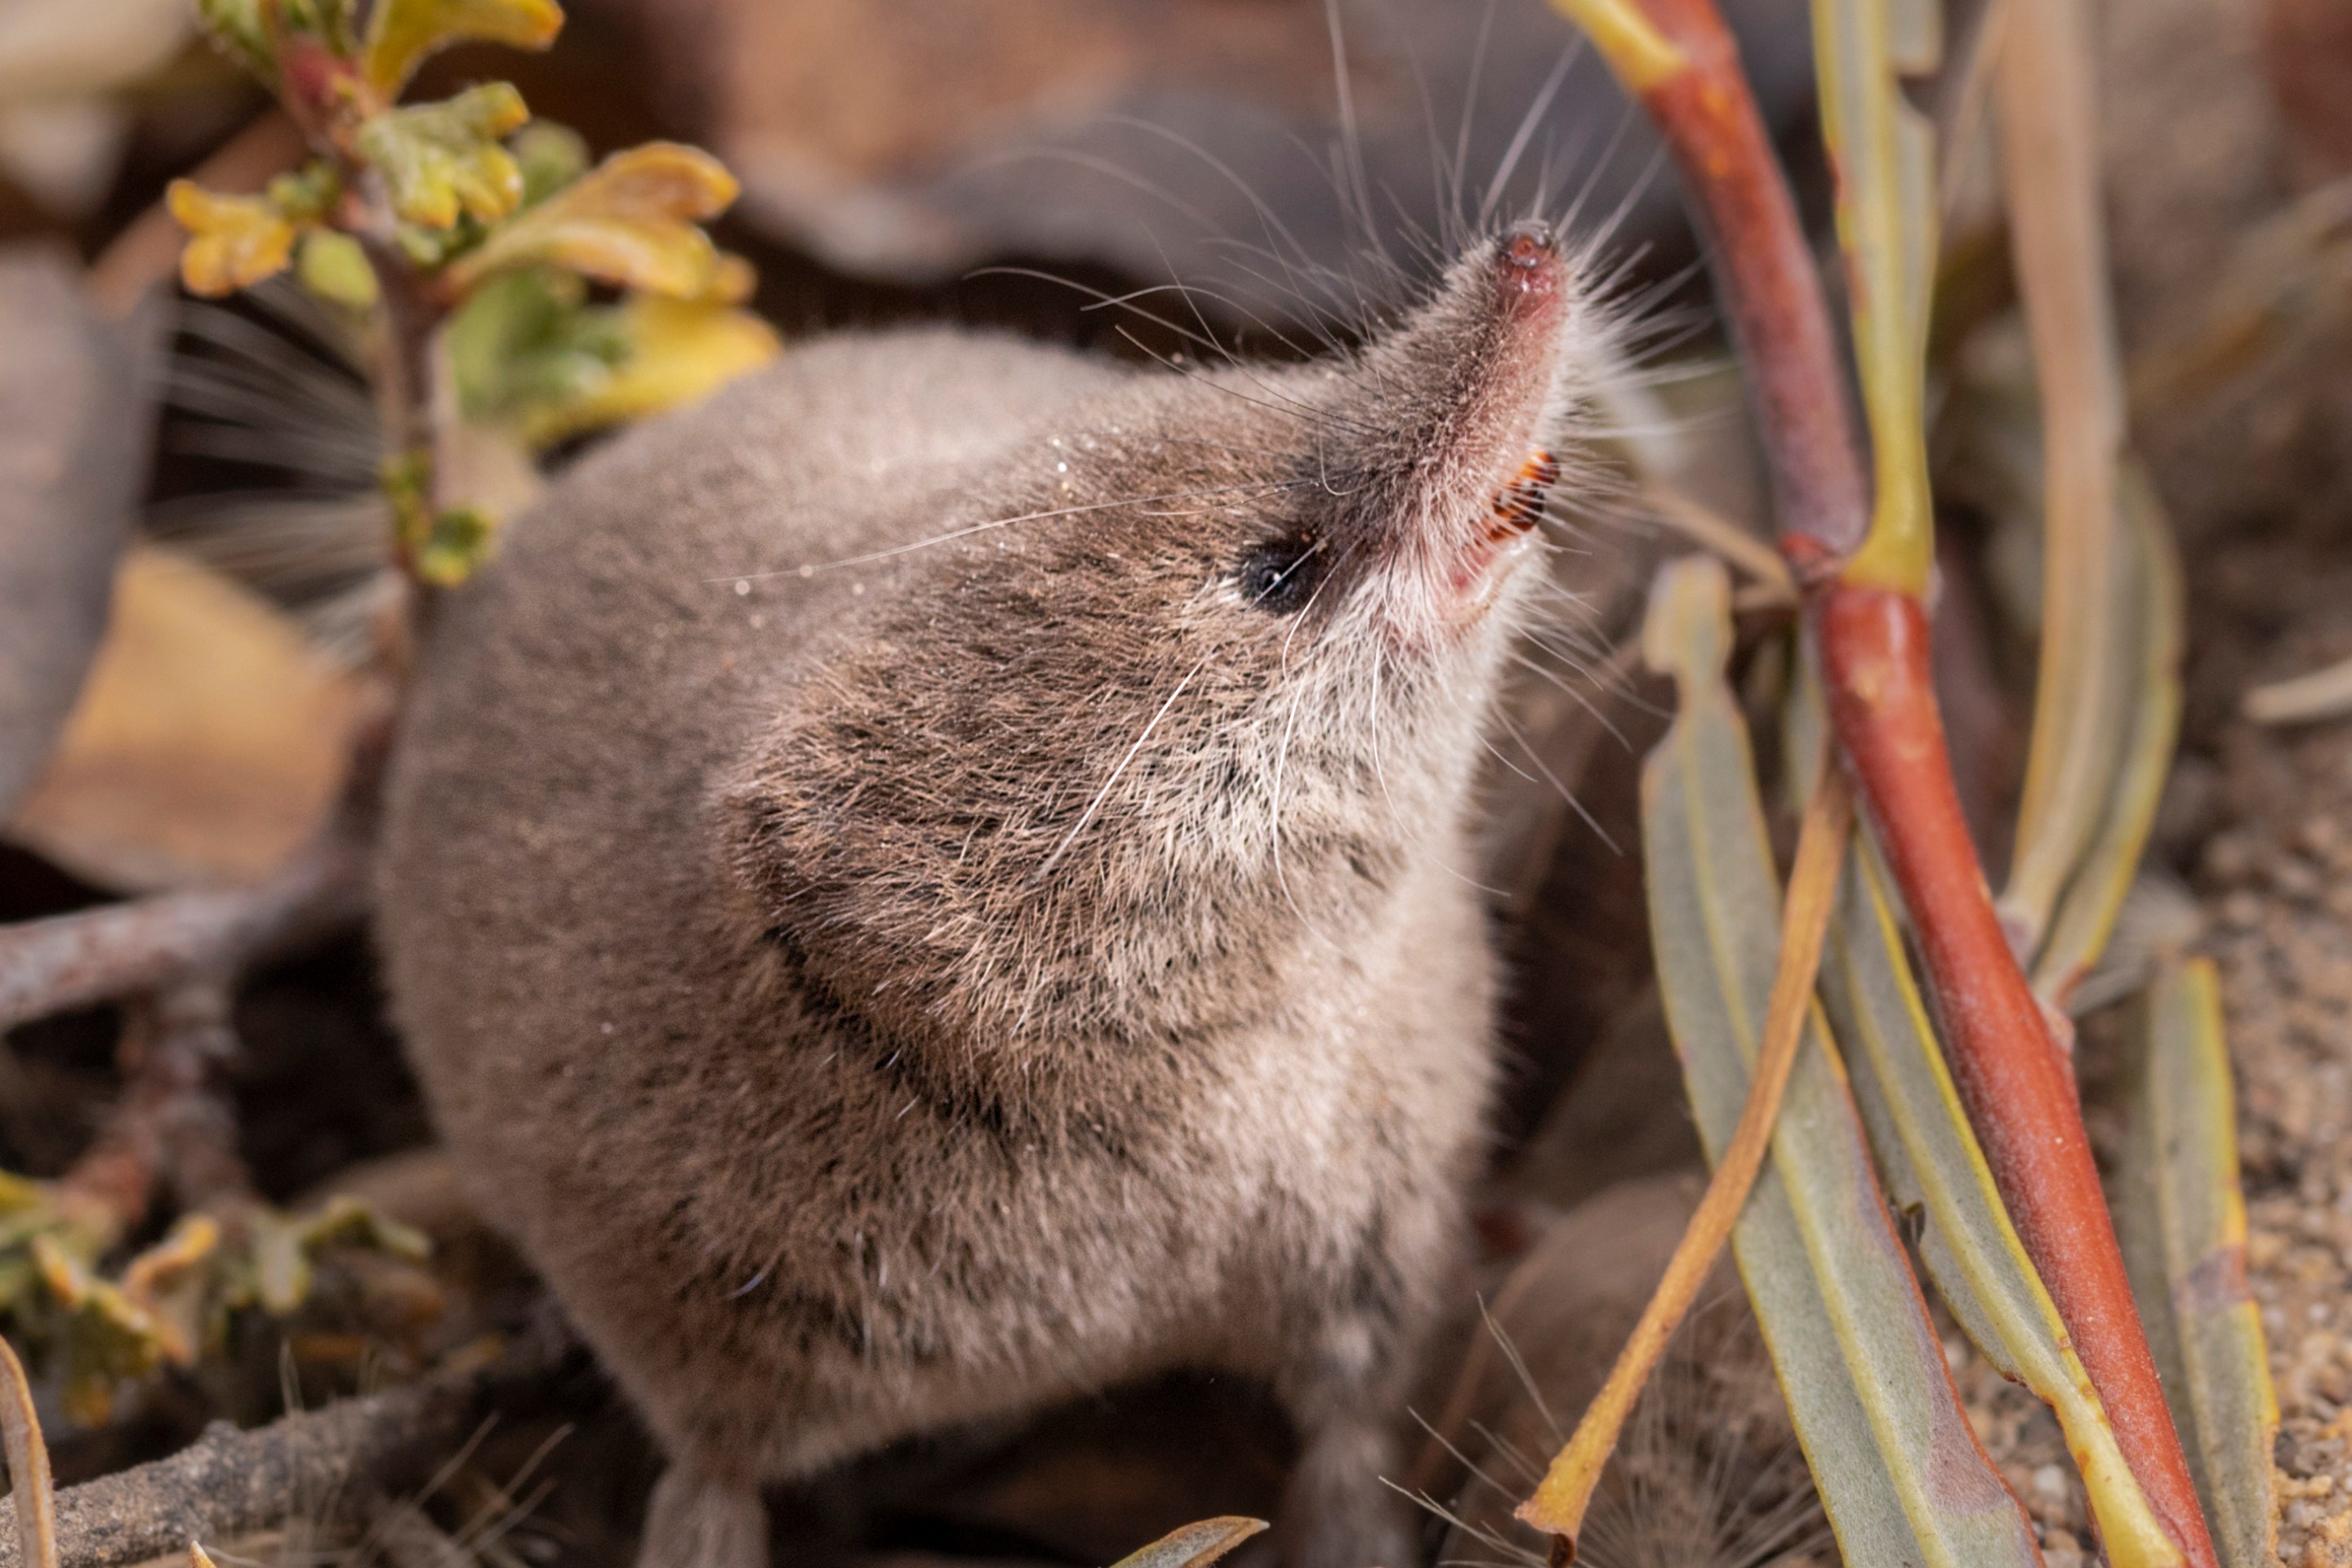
2184,1232
1900,1471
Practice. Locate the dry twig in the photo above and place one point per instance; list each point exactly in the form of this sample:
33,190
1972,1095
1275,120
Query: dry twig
231,1482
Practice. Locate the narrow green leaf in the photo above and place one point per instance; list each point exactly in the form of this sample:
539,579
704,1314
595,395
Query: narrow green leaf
332,267
1884,151
1935,1166
2184,1235
2146,635
1901,1474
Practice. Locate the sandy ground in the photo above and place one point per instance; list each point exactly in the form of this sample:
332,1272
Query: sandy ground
2259,822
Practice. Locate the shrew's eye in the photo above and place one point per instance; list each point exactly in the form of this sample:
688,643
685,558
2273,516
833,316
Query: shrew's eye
1282,575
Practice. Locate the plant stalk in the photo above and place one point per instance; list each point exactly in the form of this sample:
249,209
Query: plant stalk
1872,641
1559,1504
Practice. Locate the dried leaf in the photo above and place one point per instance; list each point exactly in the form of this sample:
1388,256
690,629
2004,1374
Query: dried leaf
677,352
631,220
2304,698
208,743
234,242
2184,1234
1900,1471
30,1487
285,1247
1195,1546
402,33
442,159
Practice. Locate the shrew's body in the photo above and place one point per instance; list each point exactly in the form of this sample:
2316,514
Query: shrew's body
1024,951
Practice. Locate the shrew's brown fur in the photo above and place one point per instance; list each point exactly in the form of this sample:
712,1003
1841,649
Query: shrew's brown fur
1009,957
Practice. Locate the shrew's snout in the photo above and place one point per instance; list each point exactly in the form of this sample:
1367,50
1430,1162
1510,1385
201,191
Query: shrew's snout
1487,366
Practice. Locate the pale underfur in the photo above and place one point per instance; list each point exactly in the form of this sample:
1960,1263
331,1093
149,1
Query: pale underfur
1004,960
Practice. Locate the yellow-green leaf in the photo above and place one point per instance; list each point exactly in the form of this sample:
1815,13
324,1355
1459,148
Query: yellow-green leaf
551,156
457,542
170,1282
442,159
348,1221
237,26
677,352
234,242
631,220
1642,56
2183,1227
107,1339
333,267
402,33
1884,151
2144,622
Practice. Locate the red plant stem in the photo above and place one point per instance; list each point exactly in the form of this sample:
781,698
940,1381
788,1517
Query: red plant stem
2019,1086
1771,294
1873,643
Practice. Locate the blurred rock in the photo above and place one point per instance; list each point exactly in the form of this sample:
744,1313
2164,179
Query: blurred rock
914,139
72,444
2308,50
